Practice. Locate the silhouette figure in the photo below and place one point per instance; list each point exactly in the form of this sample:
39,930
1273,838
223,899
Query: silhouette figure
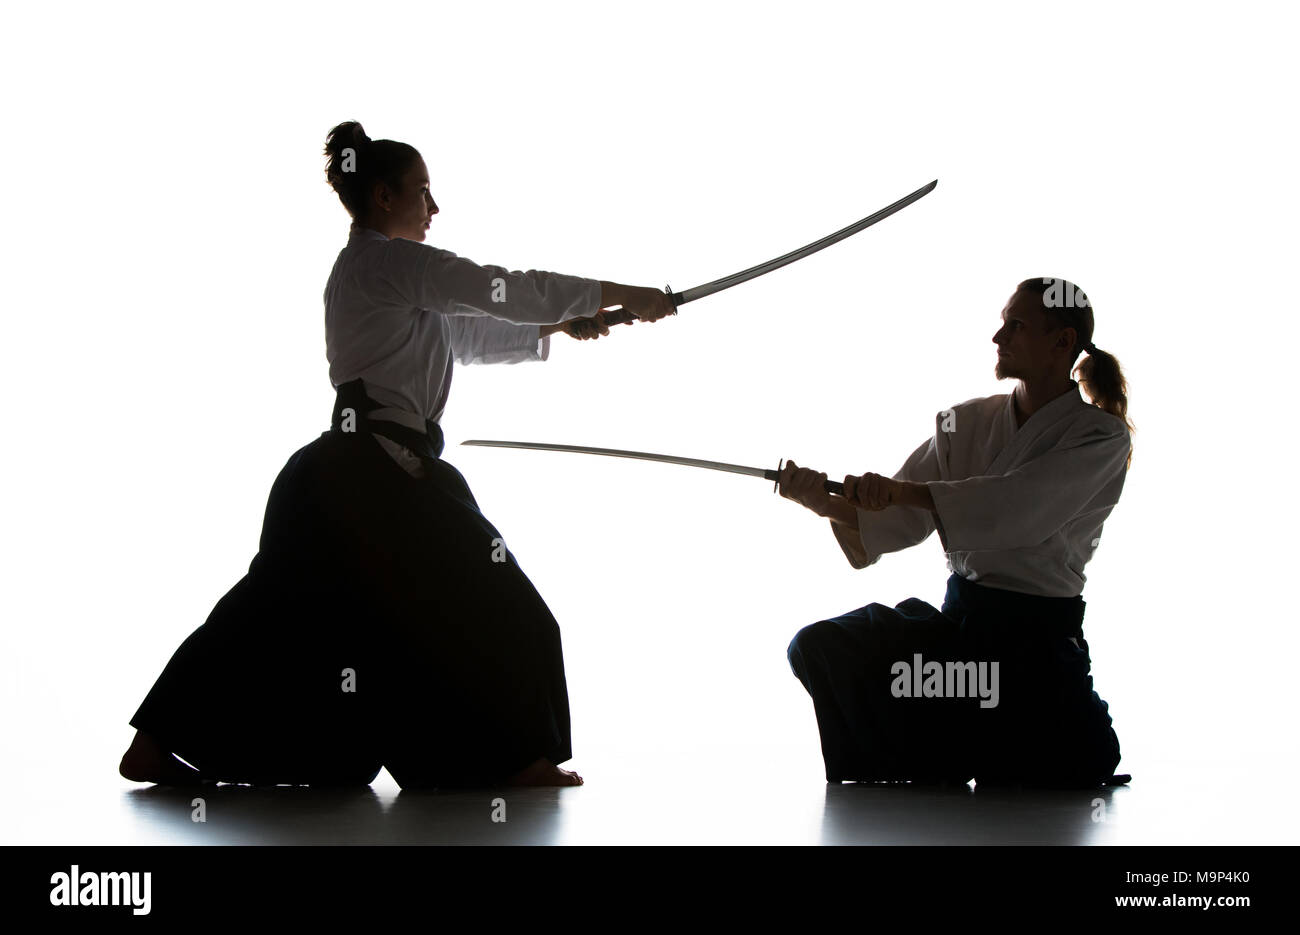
383,621
996,685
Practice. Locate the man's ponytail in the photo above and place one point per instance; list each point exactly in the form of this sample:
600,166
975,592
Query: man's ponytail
1100,374
1102,379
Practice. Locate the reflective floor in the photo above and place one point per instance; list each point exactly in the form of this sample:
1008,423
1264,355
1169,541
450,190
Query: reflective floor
701,799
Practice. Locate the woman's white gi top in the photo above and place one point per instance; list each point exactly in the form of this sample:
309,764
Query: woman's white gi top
398,313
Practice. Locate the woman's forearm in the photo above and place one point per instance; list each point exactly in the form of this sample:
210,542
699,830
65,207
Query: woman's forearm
612,293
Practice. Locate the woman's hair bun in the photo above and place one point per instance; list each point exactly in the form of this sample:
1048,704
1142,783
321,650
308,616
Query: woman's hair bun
346,134
354,174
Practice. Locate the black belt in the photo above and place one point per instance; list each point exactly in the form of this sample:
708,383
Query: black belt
1030,614
352,395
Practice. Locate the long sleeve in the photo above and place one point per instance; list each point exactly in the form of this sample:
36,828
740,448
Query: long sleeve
482,340
1027,505
432,278
898,527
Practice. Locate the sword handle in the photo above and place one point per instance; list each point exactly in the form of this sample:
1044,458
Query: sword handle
623,316
831,486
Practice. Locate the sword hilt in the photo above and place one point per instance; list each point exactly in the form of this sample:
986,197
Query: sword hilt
832,486
623,316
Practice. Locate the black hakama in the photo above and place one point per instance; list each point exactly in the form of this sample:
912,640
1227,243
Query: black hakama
395,587
1048,728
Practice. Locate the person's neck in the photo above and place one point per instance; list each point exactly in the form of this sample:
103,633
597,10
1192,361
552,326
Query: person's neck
1030,396
383,225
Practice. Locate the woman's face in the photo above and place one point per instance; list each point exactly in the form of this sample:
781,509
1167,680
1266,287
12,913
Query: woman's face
409,211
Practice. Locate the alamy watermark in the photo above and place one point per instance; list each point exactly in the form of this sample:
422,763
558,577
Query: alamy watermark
1063,294
919,679
87,888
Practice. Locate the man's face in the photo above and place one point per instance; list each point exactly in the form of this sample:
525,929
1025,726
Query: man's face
1026,349
412,208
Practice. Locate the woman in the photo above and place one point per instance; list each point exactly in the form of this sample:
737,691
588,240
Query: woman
383,621
996,685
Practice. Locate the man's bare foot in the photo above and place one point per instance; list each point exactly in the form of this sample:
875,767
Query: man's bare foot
542,772
146,761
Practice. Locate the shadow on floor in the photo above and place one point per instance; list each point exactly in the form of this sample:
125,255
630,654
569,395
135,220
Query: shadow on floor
298,815
851,814
857,813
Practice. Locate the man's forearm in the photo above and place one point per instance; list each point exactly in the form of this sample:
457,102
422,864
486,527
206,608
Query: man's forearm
841,512
917,495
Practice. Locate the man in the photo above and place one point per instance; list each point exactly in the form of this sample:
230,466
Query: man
996,685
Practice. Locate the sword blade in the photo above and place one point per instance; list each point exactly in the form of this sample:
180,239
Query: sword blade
622,316
620,453
726,282
765,473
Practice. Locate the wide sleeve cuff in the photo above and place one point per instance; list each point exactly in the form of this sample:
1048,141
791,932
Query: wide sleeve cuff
892,530
851,545
492,341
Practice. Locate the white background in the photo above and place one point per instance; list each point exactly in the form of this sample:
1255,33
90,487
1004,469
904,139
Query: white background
168,233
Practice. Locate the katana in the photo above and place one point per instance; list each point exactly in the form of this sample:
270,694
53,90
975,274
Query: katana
774,476
726,282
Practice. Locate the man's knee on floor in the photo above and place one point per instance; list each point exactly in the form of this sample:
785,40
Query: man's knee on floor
799,644
807,642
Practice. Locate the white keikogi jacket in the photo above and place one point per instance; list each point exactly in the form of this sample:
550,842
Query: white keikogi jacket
1018,508
398,313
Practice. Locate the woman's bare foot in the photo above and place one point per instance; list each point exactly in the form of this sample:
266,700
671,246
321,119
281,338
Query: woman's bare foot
542,772
146,761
